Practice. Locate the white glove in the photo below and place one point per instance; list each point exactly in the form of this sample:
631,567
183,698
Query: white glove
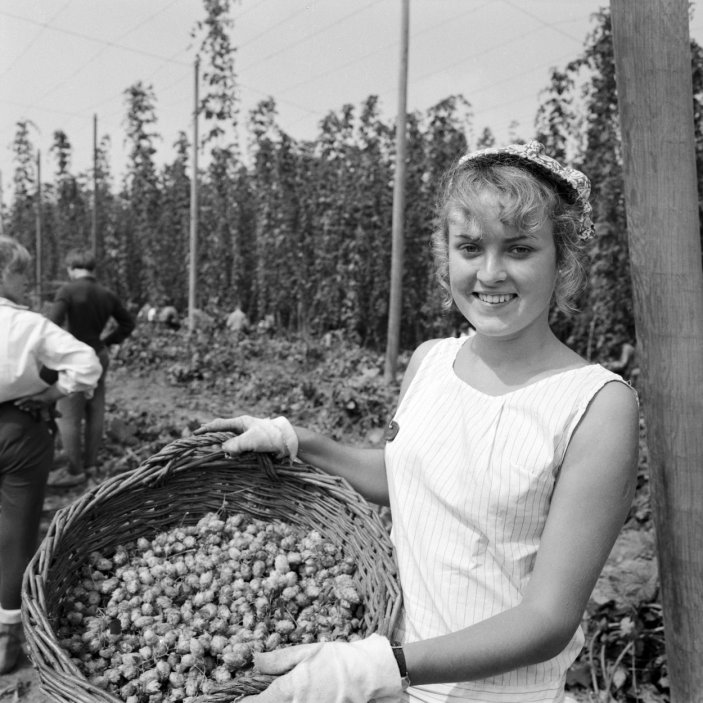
333,672
256,435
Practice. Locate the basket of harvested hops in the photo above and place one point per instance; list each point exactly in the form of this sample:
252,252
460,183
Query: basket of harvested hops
162,583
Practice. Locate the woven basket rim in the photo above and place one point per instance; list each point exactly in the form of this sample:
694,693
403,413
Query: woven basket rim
179,461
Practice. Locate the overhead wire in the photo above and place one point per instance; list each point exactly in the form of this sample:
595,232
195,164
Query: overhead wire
414,79
509,79
47,25
378,50
549,25
270,28
88,37
288,46
309,36
106,44
174,60
16,103
102,50
34,40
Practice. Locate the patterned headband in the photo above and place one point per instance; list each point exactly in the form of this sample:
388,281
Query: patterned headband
574,185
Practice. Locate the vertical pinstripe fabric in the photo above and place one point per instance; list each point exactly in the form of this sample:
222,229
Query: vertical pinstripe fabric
471,477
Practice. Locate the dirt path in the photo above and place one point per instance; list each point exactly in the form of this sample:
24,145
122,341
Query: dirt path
155,397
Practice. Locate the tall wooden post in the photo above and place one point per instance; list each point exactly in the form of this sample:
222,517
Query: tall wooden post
395,304
38,234
94,223
192,274
653,72
2,212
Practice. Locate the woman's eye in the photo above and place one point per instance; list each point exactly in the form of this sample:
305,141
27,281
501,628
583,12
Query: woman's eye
521,250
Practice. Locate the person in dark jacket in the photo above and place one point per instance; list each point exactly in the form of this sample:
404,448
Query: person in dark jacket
85,308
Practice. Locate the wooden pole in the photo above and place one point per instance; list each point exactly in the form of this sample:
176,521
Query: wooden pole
192,277
395,304
2,213
94,228
653,72
38,234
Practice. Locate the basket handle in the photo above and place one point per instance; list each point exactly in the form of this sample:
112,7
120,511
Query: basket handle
264,459
186,445
266,465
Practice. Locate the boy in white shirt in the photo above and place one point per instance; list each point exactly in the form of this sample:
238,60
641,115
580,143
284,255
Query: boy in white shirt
28,342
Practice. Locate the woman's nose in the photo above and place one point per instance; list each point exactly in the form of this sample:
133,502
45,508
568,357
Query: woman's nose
492,269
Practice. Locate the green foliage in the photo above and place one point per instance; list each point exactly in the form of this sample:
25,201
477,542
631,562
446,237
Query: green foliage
170,244
22,213
62,152
219,104
438,138
24,157
142,193
67,224
301,230
273,375
610,295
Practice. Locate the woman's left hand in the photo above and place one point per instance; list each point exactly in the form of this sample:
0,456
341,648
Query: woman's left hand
355,672
255,434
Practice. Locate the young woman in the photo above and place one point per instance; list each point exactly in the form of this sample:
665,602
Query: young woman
509,466
28,341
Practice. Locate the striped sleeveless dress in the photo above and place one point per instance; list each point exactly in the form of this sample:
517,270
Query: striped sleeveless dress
470,478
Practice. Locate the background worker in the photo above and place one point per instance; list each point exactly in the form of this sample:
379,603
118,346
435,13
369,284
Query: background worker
85,308
237,323
28,341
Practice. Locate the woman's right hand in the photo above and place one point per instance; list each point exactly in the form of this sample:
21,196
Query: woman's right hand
255,434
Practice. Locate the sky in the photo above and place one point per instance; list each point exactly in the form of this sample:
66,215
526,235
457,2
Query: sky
66,63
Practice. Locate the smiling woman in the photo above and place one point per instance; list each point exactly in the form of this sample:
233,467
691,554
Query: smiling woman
509,469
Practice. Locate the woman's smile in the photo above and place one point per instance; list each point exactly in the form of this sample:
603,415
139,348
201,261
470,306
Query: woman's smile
495,299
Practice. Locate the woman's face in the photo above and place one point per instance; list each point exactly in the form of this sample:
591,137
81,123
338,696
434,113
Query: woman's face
14,287
501,279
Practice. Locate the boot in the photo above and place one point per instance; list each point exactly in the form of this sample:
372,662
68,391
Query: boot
10,646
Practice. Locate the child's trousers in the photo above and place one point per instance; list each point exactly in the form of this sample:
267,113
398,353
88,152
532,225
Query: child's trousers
26,452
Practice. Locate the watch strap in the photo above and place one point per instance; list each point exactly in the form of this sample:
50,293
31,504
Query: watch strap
402,666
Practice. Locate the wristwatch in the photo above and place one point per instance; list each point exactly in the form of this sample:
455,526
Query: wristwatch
402,667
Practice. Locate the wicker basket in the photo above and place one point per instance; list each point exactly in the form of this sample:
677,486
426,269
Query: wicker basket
178,485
